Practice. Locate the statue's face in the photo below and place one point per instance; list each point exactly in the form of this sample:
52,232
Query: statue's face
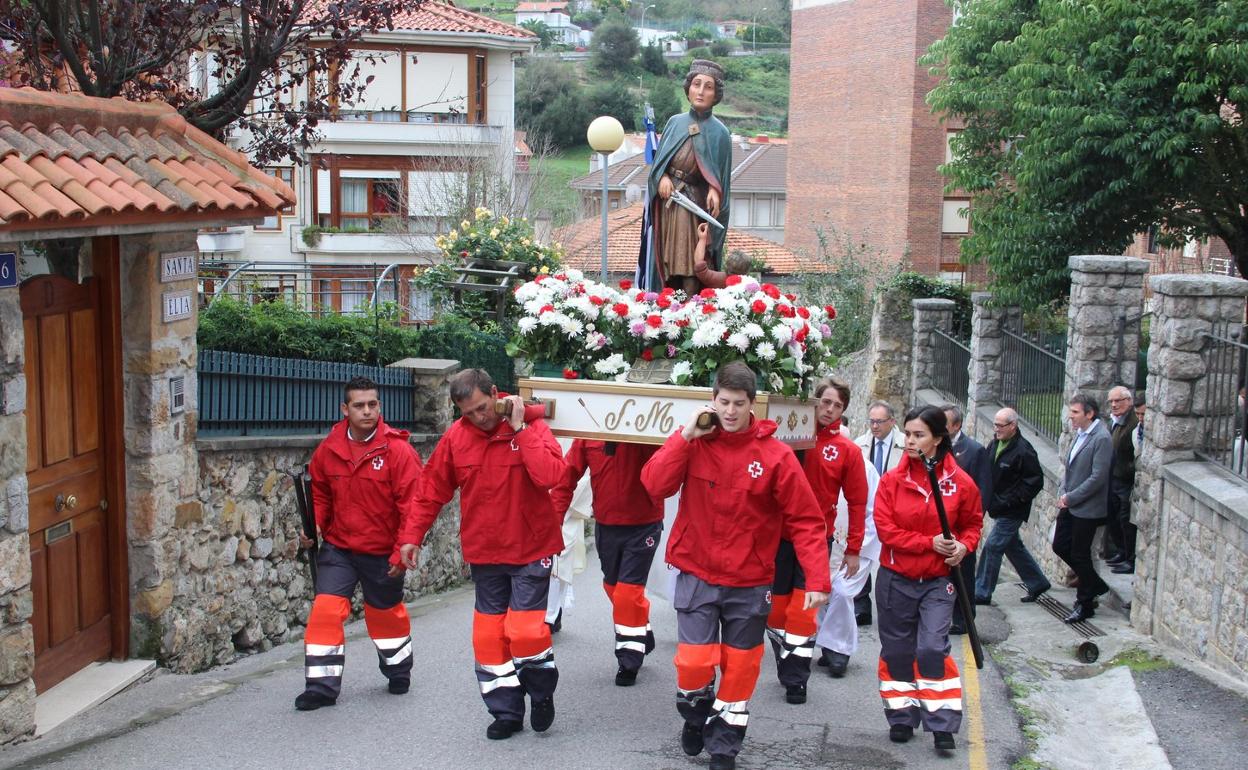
702,92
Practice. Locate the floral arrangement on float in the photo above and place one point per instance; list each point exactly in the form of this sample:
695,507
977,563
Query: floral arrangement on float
578,328
490,236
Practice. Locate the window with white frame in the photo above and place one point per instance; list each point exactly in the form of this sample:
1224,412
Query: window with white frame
955,217
287,175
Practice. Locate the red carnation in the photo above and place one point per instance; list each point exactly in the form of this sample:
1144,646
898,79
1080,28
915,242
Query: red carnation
803,312
708,309
801,333
759,306
663,302
785,310
647,355
641,297
539,279
831,311
594,299
790,297
620,309
654,320
564,277
707,294
732,280
667,290
625,285
682,322
570,374
463,253
546,309
771,291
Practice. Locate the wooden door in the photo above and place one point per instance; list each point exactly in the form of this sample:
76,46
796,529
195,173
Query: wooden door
69,548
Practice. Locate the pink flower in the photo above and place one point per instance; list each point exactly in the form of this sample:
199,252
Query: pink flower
651,296
671,350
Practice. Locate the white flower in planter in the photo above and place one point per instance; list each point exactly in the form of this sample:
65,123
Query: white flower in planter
681,370
765,351
612,364
739,341
753,331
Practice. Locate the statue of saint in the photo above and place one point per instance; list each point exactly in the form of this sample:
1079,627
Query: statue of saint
695,159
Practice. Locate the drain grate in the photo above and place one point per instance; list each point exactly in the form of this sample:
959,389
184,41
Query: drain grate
1058,610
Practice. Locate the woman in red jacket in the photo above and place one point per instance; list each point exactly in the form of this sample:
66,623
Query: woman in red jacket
914,596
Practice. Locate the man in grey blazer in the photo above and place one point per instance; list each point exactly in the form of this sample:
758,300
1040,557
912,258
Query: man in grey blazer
1084,501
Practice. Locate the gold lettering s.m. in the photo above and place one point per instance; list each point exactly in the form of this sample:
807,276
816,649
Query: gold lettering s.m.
613,420
660,417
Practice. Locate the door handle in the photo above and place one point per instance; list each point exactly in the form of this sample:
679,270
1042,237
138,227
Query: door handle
63,502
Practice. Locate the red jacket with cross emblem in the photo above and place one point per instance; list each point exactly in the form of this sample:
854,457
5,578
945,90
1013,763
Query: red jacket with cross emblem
738,491
619,497
834,467
504,478
360,506
906,519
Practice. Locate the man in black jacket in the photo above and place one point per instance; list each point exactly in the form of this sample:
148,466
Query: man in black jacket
1119,530
1016,480
972,457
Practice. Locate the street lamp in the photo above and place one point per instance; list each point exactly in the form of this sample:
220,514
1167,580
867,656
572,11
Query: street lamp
605,135
754,27
644,8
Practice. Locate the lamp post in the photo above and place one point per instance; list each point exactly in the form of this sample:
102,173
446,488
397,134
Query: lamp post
605,135
644,8
754,28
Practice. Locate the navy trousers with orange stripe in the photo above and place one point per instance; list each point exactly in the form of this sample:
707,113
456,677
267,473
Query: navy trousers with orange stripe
338,573
626,553
790,626
719,627
919,681
510,639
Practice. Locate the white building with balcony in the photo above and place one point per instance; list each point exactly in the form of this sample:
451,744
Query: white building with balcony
556,16
384,174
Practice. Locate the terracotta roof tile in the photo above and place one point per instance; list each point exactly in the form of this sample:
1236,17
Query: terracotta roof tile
582,245
758,167
77,161
436,16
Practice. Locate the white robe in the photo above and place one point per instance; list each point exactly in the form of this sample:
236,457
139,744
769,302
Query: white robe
838,626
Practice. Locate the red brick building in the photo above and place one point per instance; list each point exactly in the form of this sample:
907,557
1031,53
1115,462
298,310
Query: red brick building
864,147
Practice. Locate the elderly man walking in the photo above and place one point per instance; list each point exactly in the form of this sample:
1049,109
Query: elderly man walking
1016,480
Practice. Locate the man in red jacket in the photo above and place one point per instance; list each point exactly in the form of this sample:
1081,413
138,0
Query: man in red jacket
628,524
364,479
504,469
739,487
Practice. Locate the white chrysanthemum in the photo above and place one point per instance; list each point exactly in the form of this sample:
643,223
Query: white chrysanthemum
527,292
765,351
680,370
527,324
753,331
739,341
570,326
776,382
595,341
612,364
708,334
574,276
781,333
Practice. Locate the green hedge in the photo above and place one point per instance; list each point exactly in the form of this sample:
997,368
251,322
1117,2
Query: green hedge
286,331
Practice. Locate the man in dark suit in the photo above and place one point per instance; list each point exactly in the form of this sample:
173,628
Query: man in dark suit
1016,480
1119,529
971,457
1084,501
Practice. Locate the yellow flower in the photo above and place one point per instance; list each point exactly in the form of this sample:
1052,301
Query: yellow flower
525,241
465,224
453,234
494,233
505,221
544,270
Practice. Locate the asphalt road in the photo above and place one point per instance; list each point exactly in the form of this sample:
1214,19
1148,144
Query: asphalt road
242,716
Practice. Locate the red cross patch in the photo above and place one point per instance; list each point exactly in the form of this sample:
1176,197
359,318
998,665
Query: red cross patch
514,446
755,469
830,452
949,588
378,462
947,487
547,562
767,597
650,542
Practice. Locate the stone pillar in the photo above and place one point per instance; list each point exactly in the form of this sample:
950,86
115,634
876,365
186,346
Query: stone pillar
930,314
162,466
1185,308
1103,342
433,392
988,323
17,645
888,361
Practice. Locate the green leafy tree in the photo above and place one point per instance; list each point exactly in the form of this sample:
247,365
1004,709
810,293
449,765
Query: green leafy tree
550,103
664,96
545,35
614,45
1089,122
614,98
652,60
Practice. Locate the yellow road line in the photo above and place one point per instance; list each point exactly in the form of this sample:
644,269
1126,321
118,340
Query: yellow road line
976,755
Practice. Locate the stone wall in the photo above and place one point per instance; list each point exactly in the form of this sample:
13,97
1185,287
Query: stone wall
889,353
236,585
930,315
17,661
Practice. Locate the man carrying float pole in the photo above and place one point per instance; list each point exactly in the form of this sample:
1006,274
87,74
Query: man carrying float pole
629,524
739,487
504,469
365,476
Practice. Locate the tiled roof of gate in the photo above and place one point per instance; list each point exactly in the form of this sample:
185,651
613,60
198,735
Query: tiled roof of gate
439,16
78,161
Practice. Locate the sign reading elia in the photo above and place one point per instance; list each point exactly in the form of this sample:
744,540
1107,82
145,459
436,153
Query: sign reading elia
639,413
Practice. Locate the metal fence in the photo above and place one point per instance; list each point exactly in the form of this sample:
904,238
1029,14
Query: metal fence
953,362
1224,424
246,395
1033,374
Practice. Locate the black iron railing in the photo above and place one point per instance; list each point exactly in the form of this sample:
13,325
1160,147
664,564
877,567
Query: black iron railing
1224,422
1033,374
953,362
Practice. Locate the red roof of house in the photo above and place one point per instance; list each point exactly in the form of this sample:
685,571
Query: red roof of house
443,16
582,245
540,7
68,160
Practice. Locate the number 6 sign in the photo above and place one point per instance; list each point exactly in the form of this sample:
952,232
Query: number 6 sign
8,269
